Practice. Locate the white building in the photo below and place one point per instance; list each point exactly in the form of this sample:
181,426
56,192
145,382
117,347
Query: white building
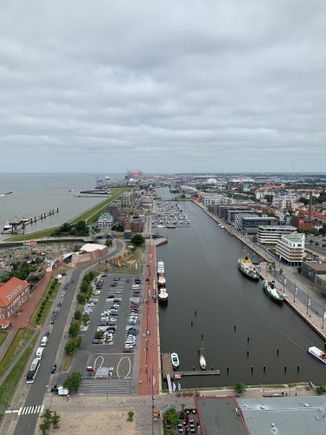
290,248
214,199
105,221
270,234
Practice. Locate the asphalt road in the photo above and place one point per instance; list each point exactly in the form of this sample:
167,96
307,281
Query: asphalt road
26,423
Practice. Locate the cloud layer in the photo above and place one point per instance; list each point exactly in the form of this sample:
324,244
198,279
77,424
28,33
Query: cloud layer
183,85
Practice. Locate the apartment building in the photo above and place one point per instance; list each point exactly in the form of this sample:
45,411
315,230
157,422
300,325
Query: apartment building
270,234
290,248
13,294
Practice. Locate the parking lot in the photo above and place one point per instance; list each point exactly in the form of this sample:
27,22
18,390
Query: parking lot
112,335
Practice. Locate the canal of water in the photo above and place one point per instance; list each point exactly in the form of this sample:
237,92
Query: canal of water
246,335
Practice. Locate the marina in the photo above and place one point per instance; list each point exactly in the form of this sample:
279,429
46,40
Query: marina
231,311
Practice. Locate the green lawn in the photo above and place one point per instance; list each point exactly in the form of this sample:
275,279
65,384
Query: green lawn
21,337
89,216
7,389
3,335
45,303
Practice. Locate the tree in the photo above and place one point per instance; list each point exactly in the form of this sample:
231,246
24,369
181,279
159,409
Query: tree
70,347
78,315
73,381
55,420
137,240
81,298
239,387
130,416
85,318
73,329
171,415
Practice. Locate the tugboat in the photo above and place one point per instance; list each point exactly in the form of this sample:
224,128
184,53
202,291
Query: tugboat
175,360
270,290
247,269
317,353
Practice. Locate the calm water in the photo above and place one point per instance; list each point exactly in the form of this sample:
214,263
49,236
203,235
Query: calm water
37,193
202,275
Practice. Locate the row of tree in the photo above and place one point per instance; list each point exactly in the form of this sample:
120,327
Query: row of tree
78,229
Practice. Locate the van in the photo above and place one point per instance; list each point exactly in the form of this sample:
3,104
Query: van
44,341
39,352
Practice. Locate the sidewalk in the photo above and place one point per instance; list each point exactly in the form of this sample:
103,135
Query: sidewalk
149,367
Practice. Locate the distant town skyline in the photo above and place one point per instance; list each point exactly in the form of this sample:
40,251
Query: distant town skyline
164,86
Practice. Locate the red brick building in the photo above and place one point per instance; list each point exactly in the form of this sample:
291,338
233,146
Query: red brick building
13,294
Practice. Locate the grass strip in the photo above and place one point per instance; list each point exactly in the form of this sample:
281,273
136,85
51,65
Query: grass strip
3,336
45,303
89,216
8,388
94,213
21,337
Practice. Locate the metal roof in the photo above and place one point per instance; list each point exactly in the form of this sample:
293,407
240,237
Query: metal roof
285,415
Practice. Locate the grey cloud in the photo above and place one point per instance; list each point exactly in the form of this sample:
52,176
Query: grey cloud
225,85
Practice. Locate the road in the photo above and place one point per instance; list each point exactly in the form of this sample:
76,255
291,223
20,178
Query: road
27,422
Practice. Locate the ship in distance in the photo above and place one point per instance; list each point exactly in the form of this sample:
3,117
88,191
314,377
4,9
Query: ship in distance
247,268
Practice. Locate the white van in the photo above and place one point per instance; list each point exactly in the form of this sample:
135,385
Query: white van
39,352
44,341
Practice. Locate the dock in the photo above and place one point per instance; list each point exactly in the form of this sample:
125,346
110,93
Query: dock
20,224
169,373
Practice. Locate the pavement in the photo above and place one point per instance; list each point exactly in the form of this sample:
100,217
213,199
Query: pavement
149,366
31,396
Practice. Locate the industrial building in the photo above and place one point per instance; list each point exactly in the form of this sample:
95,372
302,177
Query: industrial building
249,224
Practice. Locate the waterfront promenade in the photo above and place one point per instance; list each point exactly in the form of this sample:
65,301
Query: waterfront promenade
149,367
301,295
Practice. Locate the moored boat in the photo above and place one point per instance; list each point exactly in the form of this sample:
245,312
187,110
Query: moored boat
247,268
317,353
202,362
270,289
175,360
163,295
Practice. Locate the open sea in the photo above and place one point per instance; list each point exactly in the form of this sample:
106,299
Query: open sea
34,194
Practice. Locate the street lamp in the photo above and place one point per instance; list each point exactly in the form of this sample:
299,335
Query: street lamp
295,294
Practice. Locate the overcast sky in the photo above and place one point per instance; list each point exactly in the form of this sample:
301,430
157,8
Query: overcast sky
163,86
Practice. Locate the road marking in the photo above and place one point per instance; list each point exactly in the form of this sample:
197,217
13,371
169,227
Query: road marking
129,370
26,410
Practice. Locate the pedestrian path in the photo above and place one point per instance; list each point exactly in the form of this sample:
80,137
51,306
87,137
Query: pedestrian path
103,387
27,410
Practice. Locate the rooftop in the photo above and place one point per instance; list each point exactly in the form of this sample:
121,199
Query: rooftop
285,415
294,237
218,416
10,289
317,267
278,227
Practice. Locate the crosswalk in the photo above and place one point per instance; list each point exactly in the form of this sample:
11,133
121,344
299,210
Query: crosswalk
27,410
102,387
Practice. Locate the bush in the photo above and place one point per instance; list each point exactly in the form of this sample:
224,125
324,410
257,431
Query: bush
137,240
239,387
81,298
321,390
130,416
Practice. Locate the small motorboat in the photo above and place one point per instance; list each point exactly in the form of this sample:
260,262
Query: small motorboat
202,362
175,360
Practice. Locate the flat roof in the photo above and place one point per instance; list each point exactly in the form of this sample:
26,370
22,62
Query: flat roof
258,217
218,416
317,267
285,415
278,227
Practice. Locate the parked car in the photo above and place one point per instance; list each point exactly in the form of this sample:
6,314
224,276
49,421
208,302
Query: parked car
54,368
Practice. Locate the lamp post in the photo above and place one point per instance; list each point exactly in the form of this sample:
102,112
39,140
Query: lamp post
295,294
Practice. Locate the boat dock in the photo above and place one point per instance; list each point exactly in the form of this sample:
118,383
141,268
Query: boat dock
20,224
168,372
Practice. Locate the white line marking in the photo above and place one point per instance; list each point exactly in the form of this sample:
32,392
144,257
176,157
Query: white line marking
8,411
42,409
20,411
